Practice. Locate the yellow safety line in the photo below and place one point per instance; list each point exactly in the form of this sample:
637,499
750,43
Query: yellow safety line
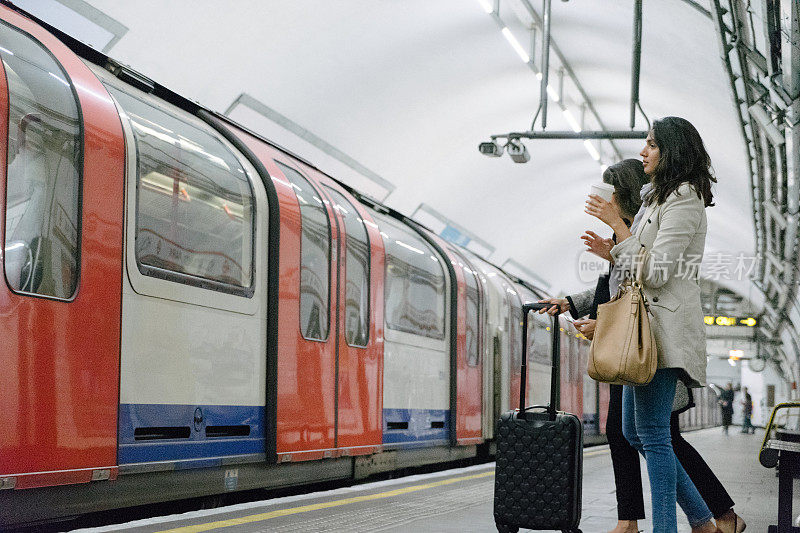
317,506
336,503
595,452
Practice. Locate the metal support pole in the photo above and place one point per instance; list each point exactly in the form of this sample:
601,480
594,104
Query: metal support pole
636,60
571,73
545,62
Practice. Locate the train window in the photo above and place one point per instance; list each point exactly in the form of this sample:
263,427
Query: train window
42,214
473,311
356,309
315,250
194,204
415,284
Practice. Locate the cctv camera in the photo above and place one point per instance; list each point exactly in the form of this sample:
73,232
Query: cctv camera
491,148
517,151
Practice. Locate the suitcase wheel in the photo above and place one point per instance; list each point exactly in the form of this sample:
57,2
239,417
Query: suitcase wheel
505,528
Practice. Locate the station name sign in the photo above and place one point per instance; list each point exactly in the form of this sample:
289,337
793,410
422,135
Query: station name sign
748,321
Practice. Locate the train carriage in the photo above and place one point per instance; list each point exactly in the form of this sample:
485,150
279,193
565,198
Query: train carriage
189,309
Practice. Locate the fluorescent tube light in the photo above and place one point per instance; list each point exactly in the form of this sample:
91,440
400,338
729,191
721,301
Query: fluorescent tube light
515,45
571,120
553,94
592,150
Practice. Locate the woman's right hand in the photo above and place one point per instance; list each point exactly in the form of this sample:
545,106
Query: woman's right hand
562,304
586,327
597,245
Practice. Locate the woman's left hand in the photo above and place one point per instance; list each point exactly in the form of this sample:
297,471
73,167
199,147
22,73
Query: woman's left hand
598,207
586,327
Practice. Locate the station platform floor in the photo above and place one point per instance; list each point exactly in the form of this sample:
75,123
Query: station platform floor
460,500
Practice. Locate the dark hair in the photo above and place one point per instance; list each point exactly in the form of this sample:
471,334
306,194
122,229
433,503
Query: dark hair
628,178
683,160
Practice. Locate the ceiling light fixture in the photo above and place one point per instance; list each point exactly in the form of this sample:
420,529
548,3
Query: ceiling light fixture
592,150
553,94
486,6
573,123
515,45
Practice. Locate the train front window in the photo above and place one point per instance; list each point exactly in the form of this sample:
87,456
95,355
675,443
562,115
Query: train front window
194,204
315,256
42,246
356,319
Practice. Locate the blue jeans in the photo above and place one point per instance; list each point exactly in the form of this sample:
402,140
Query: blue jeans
645,423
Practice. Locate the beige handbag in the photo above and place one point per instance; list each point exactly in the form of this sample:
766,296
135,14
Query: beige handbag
623,350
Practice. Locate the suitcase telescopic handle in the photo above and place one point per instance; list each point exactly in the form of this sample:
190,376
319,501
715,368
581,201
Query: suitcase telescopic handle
555,347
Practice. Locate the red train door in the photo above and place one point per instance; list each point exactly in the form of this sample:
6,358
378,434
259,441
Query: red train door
358,402
307,319
61,196
301,409
469,382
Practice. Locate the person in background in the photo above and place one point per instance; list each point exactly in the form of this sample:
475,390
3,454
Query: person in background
726,405
747,412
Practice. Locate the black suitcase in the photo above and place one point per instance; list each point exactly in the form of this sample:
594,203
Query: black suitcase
539,455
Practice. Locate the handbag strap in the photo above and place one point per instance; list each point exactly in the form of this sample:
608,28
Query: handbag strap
639,265
638,278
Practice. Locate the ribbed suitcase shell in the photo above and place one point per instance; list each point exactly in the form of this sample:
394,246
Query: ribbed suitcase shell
539,469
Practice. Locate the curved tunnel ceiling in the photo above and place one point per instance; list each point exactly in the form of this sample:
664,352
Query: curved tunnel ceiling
408,89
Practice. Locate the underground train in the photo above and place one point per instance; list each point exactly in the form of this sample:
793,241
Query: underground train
189,310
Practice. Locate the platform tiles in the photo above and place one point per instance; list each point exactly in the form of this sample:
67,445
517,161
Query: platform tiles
460,500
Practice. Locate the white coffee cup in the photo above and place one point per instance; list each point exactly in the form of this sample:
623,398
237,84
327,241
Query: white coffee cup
603,190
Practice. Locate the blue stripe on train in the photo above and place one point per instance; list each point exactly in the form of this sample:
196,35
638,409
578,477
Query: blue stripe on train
179,432
416,427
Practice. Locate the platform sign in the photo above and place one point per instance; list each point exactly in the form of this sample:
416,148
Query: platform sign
741,321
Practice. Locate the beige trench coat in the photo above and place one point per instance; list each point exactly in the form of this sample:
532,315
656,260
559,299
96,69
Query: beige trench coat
674,235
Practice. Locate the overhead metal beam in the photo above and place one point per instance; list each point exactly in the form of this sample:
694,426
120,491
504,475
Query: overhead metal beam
789,16
746,130
775,213
698,7
772,30
604,134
